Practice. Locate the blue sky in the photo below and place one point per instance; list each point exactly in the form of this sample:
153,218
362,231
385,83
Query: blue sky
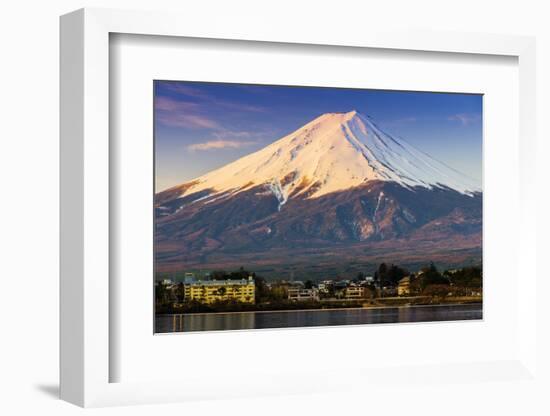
202,126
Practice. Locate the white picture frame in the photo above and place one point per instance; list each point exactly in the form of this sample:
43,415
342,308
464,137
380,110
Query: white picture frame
86,355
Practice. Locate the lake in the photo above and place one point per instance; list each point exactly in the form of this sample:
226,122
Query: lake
308,318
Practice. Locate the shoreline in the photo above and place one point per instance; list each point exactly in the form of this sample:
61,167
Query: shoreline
374,307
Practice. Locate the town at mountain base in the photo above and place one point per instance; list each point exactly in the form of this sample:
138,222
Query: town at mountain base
335,196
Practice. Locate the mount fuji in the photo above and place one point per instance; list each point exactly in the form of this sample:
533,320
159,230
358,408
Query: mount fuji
338,190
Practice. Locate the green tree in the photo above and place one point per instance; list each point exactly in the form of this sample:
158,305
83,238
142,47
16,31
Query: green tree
180,292
431,276
360,276
161,293
470,277
261,289
437,290
368,292
278,293
382,270
390,276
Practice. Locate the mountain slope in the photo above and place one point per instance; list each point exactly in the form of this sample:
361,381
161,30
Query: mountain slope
336,183
334,152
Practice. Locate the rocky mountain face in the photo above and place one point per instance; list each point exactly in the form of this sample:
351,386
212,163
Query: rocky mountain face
337,188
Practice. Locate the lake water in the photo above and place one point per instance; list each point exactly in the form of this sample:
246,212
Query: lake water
291,319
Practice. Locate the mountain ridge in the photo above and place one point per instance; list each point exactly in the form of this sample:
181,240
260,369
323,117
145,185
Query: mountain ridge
333,152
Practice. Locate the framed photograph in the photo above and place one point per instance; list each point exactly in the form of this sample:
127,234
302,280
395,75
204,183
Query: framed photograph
284,198
288,206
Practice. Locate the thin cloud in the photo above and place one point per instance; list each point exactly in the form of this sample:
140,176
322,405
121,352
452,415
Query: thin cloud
176,113
465,118
201,95
187,120
182,89
229,105
169,104
189,114
220,144
225,134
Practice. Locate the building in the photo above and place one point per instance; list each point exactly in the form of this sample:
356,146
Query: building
301,294
404,286
354,292
211,291
325,287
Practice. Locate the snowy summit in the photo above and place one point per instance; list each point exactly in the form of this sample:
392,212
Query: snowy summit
334,152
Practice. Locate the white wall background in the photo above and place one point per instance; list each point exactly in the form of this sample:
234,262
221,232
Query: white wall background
29,205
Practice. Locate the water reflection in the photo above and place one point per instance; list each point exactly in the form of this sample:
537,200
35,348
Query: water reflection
292,319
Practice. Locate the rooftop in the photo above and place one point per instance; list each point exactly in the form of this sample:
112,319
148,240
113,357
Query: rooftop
227,282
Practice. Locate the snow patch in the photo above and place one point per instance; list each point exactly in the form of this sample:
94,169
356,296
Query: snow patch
277,190
380,196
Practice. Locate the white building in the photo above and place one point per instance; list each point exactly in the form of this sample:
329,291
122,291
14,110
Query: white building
301,294
354,292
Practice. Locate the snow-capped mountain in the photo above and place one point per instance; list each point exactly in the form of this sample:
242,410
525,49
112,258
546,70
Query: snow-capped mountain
336,182
334,152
